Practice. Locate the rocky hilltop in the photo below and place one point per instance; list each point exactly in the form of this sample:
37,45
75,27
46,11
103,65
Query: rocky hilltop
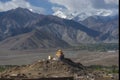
58,66
45,69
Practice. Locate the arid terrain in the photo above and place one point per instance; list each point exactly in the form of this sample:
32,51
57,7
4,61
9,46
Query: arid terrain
8,57
36,64
52,39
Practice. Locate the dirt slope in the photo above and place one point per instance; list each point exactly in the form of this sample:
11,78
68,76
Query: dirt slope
47,68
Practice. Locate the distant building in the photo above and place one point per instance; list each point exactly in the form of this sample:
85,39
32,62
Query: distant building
111,51
50,57
59,54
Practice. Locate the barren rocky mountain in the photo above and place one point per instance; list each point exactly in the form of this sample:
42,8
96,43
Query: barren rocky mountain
104,24
22,29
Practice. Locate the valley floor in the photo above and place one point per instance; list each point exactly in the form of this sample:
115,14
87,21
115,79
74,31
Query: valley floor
8,57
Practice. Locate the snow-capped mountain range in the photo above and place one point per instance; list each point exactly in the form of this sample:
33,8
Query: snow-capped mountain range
80,16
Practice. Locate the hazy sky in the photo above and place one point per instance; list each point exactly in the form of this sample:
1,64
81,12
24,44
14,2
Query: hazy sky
89,7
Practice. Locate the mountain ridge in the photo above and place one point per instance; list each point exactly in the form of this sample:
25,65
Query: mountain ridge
45,31
108,25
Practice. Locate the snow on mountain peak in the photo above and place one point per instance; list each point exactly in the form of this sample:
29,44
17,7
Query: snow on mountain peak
31,10
60,14
80,16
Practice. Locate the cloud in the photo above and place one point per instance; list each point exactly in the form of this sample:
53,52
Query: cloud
72,5
65,8
12,4
112,2
105,4
86,7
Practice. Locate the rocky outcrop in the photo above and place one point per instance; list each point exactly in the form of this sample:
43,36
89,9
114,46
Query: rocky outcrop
47,68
